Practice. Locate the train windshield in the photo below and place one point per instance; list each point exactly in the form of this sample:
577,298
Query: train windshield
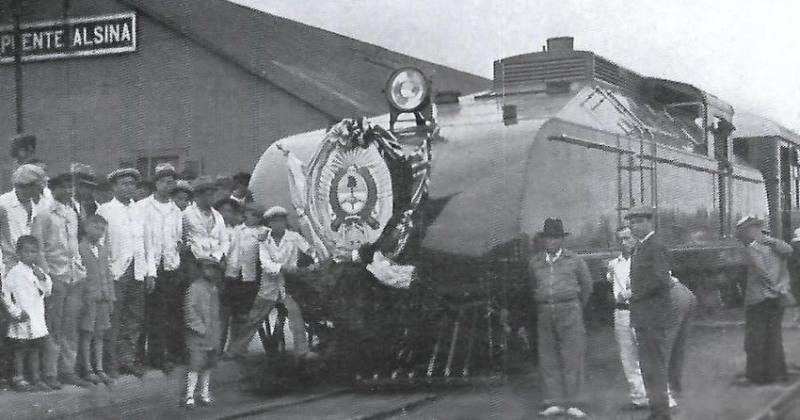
637,118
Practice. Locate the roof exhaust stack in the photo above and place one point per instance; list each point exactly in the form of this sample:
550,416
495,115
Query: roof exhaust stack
561,43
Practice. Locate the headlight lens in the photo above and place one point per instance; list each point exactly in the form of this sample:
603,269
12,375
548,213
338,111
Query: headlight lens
407,89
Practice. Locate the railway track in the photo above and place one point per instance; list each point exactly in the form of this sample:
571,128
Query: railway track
340,404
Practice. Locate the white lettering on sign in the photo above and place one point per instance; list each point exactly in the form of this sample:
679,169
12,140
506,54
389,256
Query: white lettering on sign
97,35
102,34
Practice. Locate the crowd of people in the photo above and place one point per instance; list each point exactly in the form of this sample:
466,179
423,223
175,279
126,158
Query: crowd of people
652,315
108,276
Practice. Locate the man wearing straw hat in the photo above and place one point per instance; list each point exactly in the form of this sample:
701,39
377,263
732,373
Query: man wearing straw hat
126,248
19,208
766,294
163,233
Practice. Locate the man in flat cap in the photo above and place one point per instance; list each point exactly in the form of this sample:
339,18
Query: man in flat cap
84,185
225,187
766,294
163,233
240,191
559,285
19,208
204,228
278,255
660,310
126,249
182,194
56,227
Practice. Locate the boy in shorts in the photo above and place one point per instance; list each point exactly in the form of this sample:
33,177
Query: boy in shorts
98,300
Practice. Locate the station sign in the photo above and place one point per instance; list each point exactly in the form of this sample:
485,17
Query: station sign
74,37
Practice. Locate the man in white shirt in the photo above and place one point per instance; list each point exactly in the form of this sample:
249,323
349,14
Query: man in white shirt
163,231
56,228
126,249
19,209
204,228
619,274
278,255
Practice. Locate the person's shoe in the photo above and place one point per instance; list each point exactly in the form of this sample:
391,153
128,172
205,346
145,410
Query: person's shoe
189,404
104,378
576,413
205,402
74,379
21,385
93,378
52,383
40,386
551,411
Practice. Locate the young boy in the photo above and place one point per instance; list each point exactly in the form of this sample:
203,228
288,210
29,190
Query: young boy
98,300
203,331
24,290
278,255
243,273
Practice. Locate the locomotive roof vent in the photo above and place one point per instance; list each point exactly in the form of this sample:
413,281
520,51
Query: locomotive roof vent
561,43
559,63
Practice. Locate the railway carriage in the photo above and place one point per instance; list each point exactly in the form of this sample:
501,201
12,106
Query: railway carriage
562,133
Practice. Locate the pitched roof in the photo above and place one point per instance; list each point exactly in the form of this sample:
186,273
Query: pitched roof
340,76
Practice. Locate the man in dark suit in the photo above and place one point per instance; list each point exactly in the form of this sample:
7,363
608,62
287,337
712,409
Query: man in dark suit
660,311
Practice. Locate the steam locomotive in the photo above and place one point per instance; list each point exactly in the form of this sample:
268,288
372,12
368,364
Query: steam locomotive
562,133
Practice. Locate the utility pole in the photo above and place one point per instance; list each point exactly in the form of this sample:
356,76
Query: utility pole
17,6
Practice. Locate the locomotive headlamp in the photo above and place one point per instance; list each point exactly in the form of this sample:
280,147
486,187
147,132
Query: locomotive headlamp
407,89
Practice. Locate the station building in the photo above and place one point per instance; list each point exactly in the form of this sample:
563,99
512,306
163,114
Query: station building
204,84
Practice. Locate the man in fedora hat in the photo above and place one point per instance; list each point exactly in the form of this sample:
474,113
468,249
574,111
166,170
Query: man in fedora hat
766,294
560,285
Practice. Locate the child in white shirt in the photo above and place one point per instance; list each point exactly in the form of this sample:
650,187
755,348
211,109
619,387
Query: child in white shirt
24,290
243,272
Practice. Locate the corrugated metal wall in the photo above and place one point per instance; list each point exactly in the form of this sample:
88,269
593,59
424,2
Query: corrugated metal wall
170,98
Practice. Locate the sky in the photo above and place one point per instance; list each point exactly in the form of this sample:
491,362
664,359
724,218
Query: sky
745,52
